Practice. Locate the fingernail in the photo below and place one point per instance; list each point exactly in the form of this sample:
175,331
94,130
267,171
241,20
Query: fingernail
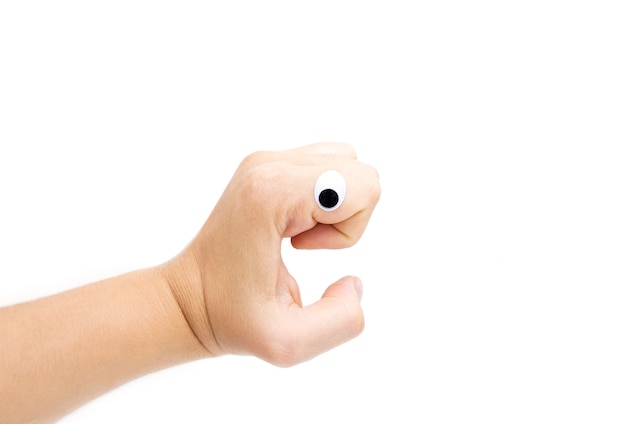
358,287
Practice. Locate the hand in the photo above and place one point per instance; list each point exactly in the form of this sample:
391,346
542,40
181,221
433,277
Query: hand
231,283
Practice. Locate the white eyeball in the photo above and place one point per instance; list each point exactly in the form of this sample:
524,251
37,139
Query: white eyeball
330,190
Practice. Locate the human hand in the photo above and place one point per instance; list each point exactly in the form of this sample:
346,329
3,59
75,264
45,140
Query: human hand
231,283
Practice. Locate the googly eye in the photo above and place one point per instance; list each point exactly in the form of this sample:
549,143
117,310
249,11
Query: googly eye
330,190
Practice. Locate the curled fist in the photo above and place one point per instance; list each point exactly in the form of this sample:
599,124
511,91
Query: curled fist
231,283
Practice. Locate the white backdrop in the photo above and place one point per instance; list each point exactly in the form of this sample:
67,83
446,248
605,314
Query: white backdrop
494,265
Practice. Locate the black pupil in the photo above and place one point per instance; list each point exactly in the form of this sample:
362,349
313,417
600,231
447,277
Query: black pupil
329,198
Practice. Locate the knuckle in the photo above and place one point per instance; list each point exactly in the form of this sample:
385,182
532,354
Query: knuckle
255,158
348,149
262,181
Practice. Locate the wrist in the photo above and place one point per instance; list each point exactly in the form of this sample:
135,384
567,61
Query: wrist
185,281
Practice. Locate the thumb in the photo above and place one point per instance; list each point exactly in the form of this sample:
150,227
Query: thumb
314,329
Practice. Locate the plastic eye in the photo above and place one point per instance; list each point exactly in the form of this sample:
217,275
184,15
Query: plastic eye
330,190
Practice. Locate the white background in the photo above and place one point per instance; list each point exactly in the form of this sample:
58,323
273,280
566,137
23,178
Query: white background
494,265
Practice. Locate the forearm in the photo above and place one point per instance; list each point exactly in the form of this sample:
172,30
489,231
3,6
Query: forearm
59,352
228,292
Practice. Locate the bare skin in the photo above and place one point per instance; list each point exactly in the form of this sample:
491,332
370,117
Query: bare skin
227,292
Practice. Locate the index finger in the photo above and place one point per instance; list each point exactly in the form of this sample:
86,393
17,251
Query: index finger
343,226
